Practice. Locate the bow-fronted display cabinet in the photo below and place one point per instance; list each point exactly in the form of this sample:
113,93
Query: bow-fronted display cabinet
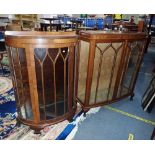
42,65
107,66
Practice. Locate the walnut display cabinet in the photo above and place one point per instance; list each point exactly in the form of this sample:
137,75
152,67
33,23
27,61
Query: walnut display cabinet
108,64
42,65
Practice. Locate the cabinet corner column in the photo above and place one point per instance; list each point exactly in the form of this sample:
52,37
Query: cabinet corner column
90,69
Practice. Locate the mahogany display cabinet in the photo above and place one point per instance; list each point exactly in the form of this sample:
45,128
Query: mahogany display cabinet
42,66
107,66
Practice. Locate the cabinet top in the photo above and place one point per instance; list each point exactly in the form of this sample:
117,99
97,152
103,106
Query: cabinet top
21,38
111,35
37,35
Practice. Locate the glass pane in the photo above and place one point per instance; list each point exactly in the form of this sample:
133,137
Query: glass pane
83,64
22,91
52,81
65,54
39,76
116,64
25,82
49,87
106,63
71,76
9,49
104,80
59,75
132,60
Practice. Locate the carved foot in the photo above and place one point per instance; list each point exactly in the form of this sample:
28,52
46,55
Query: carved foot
70,120
131,97
84,114
37,131
18,124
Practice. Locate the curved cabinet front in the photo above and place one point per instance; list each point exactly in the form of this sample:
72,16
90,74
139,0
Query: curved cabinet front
42,66
108,63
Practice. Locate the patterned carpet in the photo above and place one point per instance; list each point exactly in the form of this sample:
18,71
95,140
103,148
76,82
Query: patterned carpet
7,124
8,128
7,107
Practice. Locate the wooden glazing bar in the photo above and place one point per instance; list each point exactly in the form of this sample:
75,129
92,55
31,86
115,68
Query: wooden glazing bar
90,71
98,76
65,85
112,73
54,77
120,69
43,90
139,61
127,59
135,68
70,77
77,63
29,50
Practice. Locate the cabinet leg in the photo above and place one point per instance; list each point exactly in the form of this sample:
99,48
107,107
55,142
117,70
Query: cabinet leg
131,97
37,131
70,120
18,124
84,112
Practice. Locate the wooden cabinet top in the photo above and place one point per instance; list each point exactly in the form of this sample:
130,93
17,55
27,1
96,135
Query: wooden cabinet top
34,34
21,38
111,35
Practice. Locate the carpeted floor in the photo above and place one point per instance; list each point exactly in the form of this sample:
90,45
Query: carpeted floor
110,125
118,121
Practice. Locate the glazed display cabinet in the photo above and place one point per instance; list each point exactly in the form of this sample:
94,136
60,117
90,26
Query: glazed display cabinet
107,68
42,65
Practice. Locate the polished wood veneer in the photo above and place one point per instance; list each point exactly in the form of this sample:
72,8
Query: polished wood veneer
42,66
107,66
